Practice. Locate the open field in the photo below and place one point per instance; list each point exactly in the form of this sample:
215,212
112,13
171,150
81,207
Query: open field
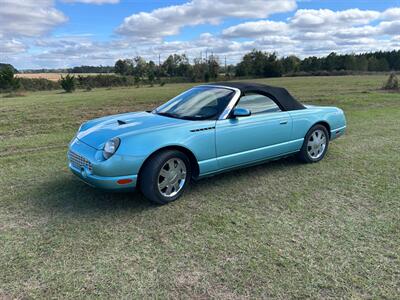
279,230
52,76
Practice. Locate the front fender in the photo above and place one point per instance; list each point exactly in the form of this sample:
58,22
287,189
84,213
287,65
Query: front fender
138,147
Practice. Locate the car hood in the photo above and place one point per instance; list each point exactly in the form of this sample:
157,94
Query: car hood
97,132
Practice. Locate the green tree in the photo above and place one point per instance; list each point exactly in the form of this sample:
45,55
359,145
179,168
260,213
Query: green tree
290,64
123,67
4,66
272,66
377,65
349,62
199,70
213,67
7,79
258,63
139,67
68,83
311,64
176,65
151,72
361,63
331,62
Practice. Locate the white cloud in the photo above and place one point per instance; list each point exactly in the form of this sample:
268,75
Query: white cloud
93,1
11,47
28,17
356,32
391,14
307,32
390,28
315,20
169,20
254,29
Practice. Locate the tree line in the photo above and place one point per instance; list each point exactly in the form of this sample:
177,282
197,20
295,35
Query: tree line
178,68
175,65
255,63
258,64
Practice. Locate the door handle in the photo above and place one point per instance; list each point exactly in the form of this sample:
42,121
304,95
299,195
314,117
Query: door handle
283,122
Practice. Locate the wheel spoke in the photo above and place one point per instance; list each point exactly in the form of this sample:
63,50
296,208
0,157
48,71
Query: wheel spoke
313,137
163,184
316,144
169,189
182,175
176,186
172,177
164,173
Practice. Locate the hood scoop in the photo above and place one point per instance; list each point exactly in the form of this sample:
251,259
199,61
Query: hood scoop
120,122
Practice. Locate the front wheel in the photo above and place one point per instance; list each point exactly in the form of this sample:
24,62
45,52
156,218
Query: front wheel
315,144
165,176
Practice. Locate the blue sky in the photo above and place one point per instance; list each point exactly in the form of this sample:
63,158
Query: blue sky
64,33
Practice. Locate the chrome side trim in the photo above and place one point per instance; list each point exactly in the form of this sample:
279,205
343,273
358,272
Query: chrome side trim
231,103
340,128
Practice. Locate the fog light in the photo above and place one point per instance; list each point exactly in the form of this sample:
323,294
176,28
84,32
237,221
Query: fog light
83,172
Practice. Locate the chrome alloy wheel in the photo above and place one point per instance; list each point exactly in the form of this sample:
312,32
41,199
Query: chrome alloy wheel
172,177
316,144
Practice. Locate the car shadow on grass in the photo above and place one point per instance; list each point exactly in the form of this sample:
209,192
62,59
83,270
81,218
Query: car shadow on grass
67,194
227,180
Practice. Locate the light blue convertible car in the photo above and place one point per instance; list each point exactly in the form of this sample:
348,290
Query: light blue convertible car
203,131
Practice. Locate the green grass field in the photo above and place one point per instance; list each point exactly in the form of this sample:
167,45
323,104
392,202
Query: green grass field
279,230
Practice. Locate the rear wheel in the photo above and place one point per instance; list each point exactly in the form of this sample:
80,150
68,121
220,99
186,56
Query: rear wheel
315,144
165,176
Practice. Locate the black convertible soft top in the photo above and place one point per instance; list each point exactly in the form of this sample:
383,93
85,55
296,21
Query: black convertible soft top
280,95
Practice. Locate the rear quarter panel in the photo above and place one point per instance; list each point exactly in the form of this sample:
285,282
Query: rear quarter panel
304,119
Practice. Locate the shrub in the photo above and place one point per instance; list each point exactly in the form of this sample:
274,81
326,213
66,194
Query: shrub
8,82
14,95
39,84
99,81
68,83
392,84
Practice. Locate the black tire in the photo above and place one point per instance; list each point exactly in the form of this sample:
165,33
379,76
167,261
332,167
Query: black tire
304,154
149,176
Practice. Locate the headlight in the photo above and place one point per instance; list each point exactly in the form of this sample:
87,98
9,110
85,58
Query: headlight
111,147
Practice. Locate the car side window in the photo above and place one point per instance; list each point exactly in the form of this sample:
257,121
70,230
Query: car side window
258,103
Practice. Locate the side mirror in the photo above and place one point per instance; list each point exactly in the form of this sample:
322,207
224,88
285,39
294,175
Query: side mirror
241,112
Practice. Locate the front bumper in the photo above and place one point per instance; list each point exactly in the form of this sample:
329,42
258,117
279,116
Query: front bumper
88,165
108,183
337,132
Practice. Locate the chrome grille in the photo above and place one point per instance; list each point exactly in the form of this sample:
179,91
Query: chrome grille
79,161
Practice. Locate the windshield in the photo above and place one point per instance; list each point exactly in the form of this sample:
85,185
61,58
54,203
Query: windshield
199,103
